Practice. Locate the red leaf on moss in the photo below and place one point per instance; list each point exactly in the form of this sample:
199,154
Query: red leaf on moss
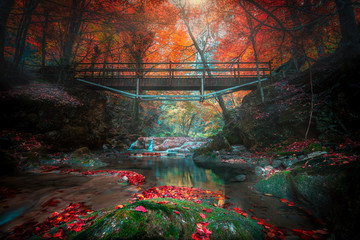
140,209
202,215
177,212
206,210
59,233
46,235
77,229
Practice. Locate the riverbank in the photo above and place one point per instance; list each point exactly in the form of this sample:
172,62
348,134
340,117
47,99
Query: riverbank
318,178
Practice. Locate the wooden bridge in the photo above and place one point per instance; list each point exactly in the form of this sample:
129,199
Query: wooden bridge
219,77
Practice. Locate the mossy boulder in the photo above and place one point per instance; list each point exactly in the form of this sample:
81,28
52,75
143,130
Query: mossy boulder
173,219
330,192
217,142
81,152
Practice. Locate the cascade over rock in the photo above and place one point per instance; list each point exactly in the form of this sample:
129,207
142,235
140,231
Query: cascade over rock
179,144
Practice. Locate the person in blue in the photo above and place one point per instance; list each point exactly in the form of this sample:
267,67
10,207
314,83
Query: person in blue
151,145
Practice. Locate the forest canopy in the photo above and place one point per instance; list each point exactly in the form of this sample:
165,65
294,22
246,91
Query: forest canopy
59,34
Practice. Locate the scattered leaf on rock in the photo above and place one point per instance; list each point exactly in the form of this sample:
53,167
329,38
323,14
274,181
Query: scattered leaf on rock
140,209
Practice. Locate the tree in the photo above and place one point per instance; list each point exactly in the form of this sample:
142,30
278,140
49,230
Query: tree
350,41
183,13
253,43
44,36
5,8
23,27
72,25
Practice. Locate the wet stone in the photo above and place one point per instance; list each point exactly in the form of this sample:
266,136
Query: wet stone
258,170
276,163
239,178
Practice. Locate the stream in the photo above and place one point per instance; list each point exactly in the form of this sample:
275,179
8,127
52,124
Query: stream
182,171
39,195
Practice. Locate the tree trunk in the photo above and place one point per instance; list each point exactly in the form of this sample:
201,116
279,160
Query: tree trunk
25,21
73,29
296,47
189,125
43,40
221,101
5,8
349,45
253,43
314,35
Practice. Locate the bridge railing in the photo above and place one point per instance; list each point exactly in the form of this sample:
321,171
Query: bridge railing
173,70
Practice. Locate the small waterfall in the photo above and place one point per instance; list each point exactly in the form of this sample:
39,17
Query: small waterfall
132,145
182,148
151,145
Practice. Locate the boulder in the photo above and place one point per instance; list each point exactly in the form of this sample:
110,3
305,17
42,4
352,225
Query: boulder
172,219
330,192
81,152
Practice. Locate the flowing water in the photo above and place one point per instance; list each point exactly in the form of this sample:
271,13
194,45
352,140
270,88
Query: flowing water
100,192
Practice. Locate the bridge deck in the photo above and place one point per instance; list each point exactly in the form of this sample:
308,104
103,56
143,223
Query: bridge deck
217,76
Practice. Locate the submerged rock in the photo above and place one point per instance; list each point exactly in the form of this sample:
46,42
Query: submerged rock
170,219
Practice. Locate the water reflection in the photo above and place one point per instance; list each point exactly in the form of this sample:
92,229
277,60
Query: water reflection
176,171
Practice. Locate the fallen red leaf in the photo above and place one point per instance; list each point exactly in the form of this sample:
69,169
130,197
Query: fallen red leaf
59,233
206,210
140,209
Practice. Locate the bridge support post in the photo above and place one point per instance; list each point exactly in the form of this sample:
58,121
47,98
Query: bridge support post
202,90
137,87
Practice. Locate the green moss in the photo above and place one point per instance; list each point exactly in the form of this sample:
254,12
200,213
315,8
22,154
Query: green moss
317,186
162,222
314,147
81,152
275,185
